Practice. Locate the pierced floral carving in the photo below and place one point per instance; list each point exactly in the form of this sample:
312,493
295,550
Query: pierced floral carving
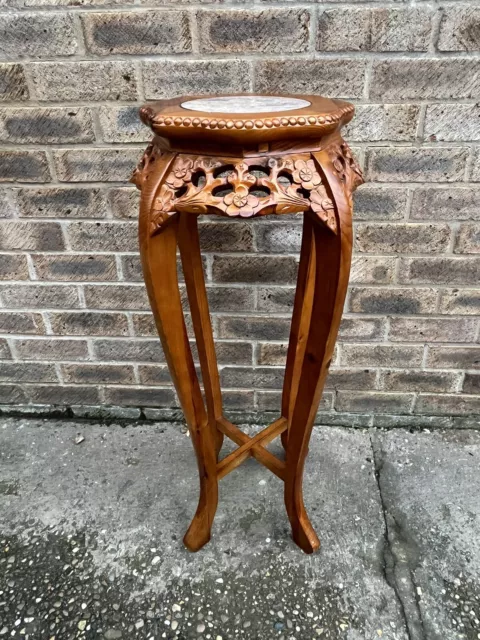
181,173
346,166
250,187
306,174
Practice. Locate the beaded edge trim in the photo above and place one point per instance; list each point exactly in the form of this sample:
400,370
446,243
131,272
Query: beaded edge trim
149,117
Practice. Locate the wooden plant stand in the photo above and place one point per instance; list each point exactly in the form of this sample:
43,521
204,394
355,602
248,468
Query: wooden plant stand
247,156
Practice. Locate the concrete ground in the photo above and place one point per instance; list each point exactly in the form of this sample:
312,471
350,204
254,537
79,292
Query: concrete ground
92,518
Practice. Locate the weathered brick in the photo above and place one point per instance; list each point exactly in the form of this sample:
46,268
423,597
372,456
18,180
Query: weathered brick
46,125
374,402
271,401
40,296
451,122
274,269
13,267
5,353
454,404
62,395
377,122
131,268
122,124
359,328
258,378
51,349
468,239
228,352
342,78
128,350
75,267
250,30
95,165
135,397
276,299
460,302
31,236
402,238
98,374
86,323
63,202
400,79
254,328
378,355
471,383
238,400
408,164
103,236
152,374
120,296
378,203
22,323
388,300
24,166
452,203
233,299
454,357
360,379
12,394
89,80
225,236
170,78
144,324
64,3
439,270
415,380
7,208
139,32
432,329
278,237
273,353
372,270
37,35
27,372
475,176
13,84
124,202
367,29
459,29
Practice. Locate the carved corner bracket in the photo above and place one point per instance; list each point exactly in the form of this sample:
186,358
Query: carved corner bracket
249,187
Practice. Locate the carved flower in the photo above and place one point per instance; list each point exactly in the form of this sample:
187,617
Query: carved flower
240,202
305,174
324,208
180,174
320,202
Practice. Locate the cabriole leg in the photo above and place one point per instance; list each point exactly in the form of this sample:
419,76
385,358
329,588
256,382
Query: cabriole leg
328,257
197,296
158,253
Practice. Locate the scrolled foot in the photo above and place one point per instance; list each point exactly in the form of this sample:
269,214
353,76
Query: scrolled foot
198,533
305,537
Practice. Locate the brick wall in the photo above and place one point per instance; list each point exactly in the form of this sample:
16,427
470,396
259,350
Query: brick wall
75,328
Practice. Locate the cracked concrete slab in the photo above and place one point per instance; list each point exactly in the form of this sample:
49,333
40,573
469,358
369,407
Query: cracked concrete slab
430,486
90,541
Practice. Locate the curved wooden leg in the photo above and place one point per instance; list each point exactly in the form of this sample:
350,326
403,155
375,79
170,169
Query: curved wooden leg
325,288
302,311
158,254
189,244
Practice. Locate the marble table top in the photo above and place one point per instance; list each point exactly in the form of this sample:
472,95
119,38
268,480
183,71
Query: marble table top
245,104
